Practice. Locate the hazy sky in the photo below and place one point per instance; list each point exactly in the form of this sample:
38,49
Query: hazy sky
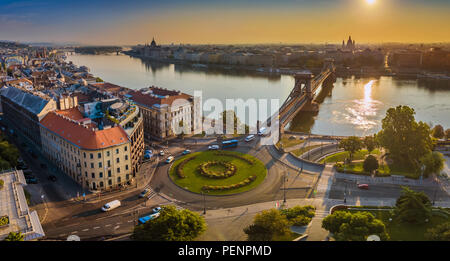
225,21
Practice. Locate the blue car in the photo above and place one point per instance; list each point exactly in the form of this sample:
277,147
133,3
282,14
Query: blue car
147,156
186,152
148,152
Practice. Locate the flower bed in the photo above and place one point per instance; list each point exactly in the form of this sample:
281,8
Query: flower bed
233,186
204,169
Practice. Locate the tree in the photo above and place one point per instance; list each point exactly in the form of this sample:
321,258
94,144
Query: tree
439,233
447,134
370,143
406,139
171,225
268,225
98,79
13,236
347,226
298,215
433,162
412,206
438,132
370,164
351,144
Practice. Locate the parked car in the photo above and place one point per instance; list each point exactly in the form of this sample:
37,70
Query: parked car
52,178
213,147
144,193
111,205
156,210
169,159
31,180
250,138
161,153
186,152
363,186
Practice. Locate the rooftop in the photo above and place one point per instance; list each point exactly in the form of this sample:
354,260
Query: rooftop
70,125
14,204
154,96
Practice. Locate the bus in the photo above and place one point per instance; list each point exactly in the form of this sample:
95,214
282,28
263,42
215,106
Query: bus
145,219
229,144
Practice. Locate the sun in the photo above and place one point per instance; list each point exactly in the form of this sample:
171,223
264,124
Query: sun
371,2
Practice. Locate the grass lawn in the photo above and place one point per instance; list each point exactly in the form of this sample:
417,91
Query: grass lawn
341,156
300,151
194,181
405,232
285,142
383,170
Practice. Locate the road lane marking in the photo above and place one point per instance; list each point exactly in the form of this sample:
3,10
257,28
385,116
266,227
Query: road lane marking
118,223
116,227
74,232
108,225
85,229
61,235
129,221
96,227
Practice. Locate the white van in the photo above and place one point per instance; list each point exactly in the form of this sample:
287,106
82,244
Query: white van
111,205
250,138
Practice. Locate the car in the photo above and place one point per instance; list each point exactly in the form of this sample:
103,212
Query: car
161,153
249,138
156,210
145,219
169,159
148,152
144,193
52,178
363,186
186,152
32,180
213,147
147,156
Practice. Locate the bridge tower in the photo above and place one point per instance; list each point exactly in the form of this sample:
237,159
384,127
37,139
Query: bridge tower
302,78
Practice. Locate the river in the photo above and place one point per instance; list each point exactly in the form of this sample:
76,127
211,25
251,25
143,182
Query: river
355,106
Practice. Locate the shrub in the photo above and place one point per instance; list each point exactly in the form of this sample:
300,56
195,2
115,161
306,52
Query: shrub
230,169
4,220
1,183
232,186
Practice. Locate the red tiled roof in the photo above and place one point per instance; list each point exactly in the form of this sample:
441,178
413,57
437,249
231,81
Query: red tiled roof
81,136
72,113
148,100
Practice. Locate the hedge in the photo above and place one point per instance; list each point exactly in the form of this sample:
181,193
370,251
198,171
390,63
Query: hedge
179,169
233,186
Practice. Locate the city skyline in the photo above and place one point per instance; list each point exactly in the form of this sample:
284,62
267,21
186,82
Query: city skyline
233,22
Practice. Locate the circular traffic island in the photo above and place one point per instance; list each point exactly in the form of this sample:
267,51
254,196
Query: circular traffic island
218,172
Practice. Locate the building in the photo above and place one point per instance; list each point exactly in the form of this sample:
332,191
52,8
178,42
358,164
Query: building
13,205
23,110
406,58
163,110
350,46
99,154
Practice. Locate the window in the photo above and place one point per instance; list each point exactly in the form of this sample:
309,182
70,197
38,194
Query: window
84,154
93,175
126,167
109,182
125,148
99,155
118,179
99,164
85,174
109,163
126,157
85,165
128,176
107,153
92,165
118,170
117,160
91,155
109,174
100,174
117,151
101,184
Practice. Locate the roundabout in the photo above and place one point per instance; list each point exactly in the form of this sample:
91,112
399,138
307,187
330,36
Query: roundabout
218,172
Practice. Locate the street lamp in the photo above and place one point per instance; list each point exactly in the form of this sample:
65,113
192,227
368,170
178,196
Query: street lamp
284,184
345,193
204,203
